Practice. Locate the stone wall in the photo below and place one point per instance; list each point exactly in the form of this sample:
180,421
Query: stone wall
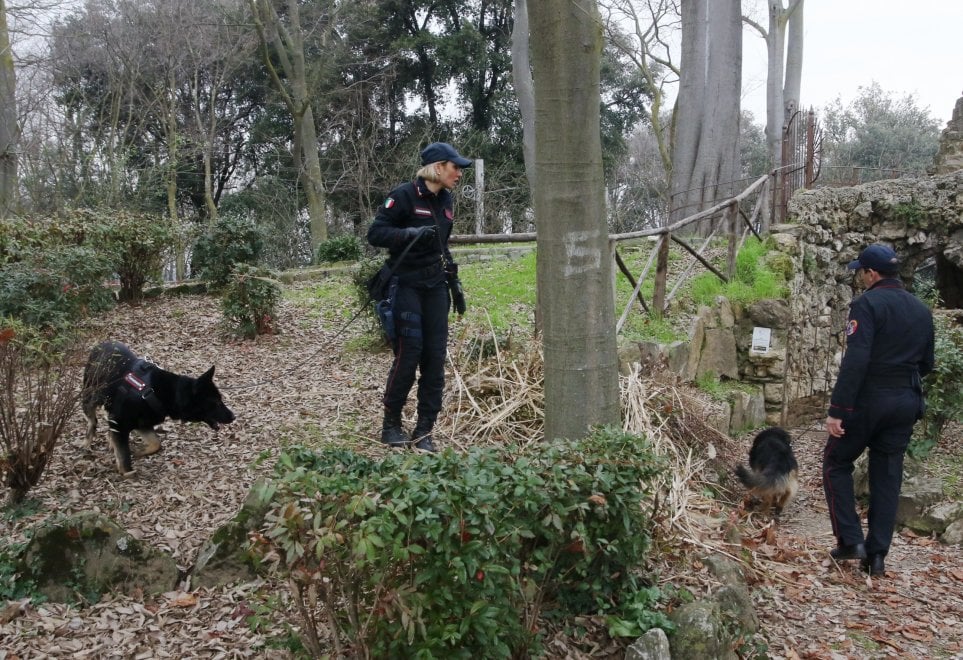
922,219
949,158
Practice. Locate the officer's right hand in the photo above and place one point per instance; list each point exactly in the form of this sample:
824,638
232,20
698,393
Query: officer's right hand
421,234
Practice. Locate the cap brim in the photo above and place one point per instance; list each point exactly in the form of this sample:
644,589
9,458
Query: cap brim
854,265
462,162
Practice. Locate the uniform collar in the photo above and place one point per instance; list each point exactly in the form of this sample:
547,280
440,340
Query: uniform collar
887,283
421,188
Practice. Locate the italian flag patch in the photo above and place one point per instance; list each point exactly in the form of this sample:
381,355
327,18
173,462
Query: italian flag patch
389,203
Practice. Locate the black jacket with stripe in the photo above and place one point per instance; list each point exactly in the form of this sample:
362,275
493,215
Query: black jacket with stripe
889,343
412,204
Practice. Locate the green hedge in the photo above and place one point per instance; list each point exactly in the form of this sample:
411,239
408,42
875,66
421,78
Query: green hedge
451,555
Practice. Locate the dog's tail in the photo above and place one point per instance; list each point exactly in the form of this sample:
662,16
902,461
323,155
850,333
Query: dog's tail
766,480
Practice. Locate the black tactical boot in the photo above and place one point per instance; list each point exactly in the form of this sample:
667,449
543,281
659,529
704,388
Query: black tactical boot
391,432
422,435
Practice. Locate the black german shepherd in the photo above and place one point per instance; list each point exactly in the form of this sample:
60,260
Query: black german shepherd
138,395
772,476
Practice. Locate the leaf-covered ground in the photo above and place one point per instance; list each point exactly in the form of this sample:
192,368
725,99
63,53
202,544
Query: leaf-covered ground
303,383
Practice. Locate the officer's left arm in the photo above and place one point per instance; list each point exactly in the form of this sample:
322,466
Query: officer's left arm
860,332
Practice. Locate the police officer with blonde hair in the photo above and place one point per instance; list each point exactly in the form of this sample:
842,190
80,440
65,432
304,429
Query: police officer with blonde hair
414,224
877,399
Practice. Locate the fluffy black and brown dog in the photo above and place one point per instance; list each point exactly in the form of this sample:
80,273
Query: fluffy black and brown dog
138,395
772,476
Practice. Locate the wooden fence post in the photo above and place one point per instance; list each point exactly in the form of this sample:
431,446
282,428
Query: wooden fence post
661,275
479,167
732,214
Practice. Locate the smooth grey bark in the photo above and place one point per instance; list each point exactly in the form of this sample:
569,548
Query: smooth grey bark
705,155
574,271
784,71
9,128
524,86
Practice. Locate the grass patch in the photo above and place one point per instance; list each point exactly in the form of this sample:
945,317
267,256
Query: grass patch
755,279
504,290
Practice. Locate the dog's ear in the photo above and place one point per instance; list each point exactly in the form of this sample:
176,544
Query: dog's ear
207,375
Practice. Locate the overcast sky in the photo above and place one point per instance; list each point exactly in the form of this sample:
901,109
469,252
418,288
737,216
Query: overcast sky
907,46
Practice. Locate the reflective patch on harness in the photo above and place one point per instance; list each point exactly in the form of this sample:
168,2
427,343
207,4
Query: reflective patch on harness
851,327
134,381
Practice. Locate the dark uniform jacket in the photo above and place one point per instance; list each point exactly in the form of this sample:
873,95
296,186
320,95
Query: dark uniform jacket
413,205
889,343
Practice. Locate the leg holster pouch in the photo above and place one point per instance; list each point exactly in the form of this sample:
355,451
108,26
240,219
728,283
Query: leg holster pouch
385,313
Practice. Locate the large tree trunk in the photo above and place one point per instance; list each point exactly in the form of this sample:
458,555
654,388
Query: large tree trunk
288,44
705,156
783,79
524,87
9,129
784,73
574,271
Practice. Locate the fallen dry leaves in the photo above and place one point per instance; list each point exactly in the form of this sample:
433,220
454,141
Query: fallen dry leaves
303,383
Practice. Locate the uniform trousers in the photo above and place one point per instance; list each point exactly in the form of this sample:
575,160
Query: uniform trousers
883,424
420,309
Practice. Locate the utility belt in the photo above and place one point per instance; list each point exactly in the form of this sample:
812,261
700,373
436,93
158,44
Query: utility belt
907,380
427,273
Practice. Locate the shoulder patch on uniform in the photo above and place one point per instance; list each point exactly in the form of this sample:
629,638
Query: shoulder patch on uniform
389,202
449,214
851,327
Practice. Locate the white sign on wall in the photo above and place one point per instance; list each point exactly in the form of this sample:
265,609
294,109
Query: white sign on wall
761,340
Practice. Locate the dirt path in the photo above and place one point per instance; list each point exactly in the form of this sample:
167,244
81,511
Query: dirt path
810,607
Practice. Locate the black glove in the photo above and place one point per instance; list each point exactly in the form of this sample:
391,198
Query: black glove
457,295
421,234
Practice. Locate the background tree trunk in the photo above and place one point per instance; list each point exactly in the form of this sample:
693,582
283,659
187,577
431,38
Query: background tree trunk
783,79
574,272
705,155
288,44
524,86
9,129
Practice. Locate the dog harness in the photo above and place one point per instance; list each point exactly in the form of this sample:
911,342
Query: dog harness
137,383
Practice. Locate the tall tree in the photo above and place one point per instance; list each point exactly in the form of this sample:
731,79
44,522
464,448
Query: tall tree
278,23
524,86
574,271
705,154
9,128
784,47
877,135
645,34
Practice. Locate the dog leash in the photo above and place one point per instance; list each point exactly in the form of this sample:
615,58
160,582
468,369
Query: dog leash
364,305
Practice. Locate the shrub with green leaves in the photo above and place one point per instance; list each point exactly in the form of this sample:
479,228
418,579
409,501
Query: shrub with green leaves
458,556
232,240
53,288
944,397
135,243
340,248
250,301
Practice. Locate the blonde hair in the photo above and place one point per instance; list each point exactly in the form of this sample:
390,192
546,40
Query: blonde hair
429,172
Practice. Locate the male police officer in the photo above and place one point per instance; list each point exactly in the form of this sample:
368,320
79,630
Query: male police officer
877,399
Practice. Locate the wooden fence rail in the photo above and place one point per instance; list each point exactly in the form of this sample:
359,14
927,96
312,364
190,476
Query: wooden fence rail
727,216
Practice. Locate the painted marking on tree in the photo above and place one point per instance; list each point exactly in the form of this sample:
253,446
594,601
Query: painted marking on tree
581,253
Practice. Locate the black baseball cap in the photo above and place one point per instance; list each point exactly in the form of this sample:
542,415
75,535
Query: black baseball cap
439,151
878,257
